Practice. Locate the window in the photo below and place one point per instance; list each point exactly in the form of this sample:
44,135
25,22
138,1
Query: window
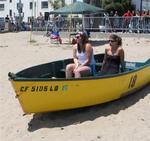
10,12
17,5
31,5
44,4
1,7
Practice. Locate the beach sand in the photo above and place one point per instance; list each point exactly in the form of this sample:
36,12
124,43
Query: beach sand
127,119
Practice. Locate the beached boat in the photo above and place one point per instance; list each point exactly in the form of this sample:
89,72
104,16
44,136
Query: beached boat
44,88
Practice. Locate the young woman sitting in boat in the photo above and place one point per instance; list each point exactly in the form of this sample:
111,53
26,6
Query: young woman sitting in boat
114,56
84,62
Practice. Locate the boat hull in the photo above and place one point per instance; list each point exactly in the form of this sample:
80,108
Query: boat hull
43,95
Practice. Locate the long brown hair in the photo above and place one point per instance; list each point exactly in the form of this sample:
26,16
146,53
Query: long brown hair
83,41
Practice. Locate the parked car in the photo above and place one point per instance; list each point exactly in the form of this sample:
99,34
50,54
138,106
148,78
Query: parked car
2,23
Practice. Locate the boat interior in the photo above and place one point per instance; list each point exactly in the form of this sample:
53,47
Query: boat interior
56,69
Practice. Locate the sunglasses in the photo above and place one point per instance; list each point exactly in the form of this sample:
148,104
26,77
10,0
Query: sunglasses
78,37
111,40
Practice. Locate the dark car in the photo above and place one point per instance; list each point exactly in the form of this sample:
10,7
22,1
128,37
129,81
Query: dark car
2,23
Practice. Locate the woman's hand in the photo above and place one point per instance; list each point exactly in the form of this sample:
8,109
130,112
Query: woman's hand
77,65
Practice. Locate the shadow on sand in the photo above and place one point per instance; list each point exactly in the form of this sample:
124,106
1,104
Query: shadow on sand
77,116
96,43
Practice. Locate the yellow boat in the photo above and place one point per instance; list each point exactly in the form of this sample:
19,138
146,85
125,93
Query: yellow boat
44,88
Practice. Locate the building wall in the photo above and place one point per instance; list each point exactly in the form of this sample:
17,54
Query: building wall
4,12
26,11
145,4
35,12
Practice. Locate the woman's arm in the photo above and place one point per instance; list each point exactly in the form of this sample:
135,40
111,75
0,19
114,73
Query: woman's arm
104,60
121,54
75,59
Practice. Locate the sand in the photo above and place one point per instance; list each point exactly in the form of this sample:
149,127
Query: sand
127,119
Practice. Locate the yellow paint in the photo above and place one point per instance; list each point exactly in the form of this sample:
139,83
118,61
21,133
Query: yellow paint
43,96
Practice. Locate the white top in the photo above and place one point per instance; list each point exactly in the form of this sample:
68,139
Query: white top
82,57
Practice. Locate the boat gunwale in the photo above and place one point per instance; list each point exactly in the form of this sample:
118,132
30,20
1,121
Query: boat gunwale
82,78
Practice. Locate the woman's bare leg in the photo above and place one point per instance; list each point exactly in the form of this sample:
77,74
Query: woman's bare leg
84,70
69,70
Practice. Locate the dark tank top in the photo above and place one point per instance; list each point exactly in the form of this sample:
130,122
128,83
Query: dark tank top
111,65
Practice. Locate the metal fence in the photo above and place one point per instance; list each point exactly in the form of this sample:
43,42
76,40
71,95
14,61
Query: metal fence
135,24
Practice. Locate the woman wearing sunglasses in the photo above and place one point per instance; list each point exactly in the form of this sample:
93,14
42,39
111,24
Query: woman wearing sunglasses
84,63
114,56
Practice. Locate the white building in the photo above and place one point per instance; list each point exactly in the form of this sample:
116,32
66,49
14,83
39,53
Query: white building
29,8
145,4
